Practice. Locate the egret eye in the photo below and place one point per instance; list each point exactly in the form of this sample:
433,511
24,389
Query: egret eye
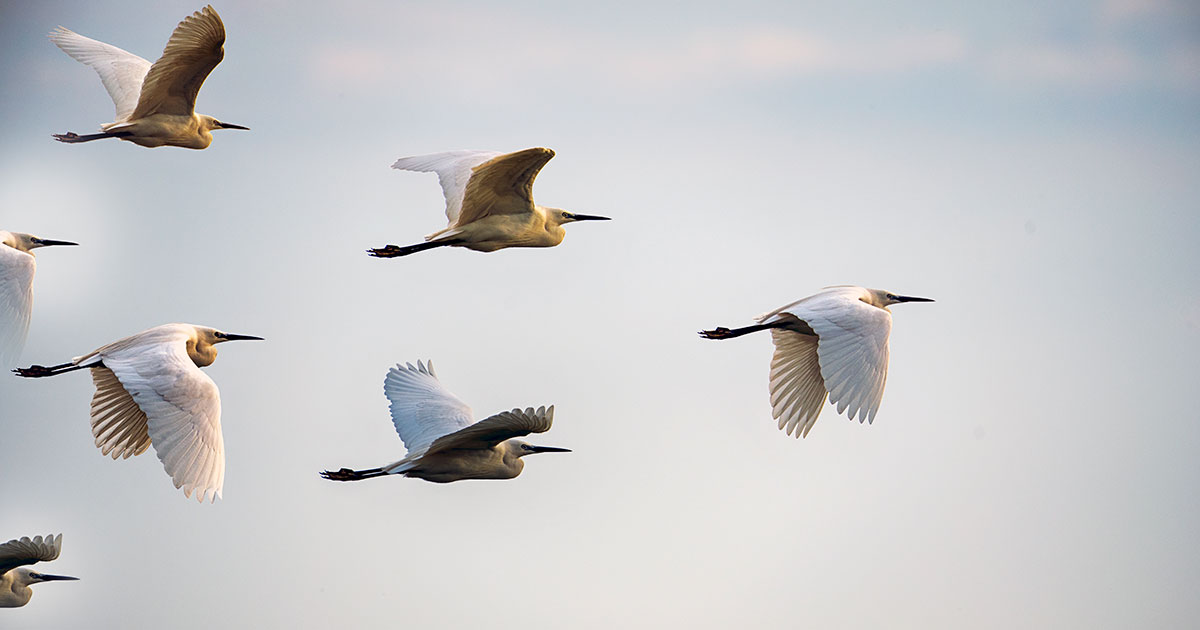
892,296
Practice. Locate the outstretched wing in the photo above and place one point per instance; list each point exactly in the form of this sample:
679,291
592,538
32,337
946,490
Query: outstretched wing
121,72
118,424
25,550
423,410
16,301
195,48
495,429
503,185
453,169
183,411
797,389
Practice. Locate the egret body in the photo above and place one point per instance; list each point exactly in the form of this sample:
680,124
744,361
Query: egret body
17,265
15,576
156,103
444,442
150,391
489,202
832,344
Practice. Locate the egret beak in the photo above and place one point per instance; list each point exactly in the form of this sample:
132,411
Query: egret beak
589,217
232,337
548,449
905,298
45,242
225,125
55,578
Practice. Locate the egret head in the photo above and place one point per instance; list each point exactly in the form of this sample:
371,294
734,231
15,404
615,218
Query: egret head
25,575
558,216
211,123
884,299
525,448
201,349
26,242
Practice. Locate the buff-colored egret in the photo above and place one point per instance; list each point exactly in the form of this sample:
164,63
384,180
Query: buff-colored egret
17,265
150,390
15,578
156,103
833,343
443,440
489,202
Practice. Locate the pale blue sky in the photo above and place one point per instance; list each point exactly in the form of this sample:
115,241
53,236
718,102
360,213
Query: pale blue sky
1031,166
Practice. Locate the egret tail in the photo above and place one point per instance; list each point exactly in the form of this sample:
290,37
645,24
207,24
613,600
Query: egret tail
345,474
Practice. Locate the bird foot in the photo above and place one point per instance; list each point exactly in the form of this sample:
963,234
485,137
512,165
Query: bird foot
70,136
391,251
345,474
34,371
719,332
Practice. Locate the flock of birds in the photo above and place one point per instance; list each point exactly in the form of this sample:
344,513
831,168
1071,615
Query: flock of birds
150,391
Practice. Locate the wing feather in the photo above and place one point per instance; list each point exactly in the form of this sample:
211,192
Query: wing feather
182,406
422,408
853,352
497,428
121,72
503,185
16,301
172,83
453,169
25,550
118,424
797,389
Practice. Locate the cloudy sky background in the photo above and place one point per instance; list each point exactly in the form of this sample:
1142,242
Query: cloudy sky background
1031,166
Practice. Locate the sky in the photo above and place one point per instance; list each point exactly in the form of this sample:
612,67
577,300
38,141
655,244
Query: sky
1029,165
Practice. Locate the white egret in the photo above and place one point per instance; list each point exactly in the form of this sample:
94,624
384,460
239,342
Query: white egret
156,103
16,289
444,442
833,343
150,390
489,202
15,578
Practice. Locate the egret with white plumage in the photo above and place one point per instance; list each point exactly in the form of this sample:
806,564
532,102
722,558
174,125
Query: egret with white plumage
150,391
489,202
156,103
15,575
832,344
444,442
17,266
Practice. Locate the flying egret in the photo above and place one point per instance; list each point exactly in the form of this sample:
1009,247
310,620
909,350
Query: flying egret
156,104
444,442
489,202
16,289
150,390
834,344
15,578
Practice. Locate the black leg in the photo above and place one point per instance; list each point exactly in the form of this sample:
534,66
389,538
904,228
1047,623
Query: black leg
72,137
394,251
345,474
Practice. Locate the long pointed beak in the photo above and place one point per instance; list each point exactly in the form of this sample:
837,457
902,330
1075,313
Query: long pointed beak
45,242
226,125
905,298
548,449
232,337
590,217
55,578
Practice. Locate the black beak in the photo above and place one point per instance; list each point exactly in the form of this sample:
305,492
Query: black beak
905,298
55,578
225,125
232,337
590,217
548,449
45,242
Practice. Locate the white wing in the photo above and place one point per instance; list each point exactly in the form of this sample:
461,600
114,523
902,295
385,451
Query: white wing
453,169
422,408
182,407
16,301
24,550
172,83
118,424
797,389
121,72
852,347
